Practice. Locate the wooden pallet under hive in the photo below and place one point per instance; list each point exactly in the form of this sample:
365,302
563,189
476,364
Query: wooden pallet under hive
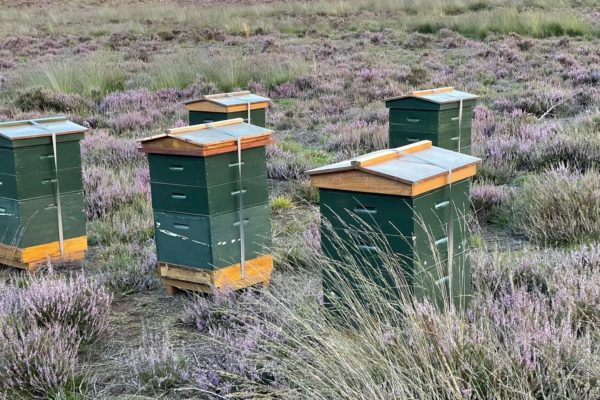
30,257
257,271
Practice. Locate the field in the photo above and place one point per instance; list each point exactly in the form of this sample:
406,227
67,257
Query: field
107,330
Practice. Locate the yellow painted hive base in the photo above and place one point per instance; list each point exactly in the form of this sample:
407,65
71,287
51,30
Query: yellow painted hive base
30,257
258,270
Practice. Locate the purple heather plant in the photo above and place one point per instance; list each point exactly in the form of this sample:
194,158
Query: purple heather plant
156,363
354,138
101,149
107,190
37,361
77,303
487,201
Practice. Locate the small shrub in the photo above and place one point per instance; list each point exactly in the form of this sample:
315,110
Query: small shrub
558,207
155,363
128,268
37,362
74,303
107,190
102,149
39,99
281,203
489,201
128,223
354,138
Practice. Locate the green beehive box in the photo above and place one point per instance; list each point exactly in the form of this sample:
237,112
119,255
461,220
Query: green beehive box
443,116
223,106
40,160
31,222
196,188
211,241
393,209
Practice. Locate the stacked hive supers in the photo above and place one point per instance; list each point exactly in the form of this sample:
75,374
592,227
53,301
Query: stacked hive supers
196,190
30,182
398,203
442,115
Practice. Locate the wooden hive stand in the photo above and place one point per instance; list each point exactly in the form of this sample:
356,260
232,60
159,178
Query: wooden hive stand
30,258
175,277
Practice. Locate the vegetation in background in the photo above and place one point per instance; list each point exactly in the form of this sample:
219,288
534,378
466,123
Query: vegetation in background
123,69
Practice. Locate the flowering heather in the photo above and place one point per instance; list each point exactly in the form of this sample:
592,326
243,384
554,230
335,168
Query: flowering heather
36,361
128,268
356,137
156,363
100,148
76,303
488,201
106,190
284,165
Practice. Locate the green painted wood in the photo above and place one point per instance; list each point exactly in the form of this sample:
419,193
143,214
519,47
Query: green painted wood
395,230
394,215
412,103
40,184
31,159
26,223
4,142
387,214
211,242
211,200
441,127
206,171
258,117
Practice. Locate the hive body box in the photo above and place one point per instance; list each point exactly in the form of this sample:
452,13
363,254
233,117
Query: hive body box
196,188
443,116
223,106
29,184
392,209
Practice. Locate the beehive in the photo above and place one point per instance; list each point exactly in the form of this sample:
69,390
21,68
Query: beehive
40,181
401,202
201,196
443,116
219,107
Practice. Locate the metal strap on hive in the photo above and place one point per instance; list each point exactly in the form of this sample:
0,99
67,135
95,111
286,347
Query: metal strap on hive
240,198
61,239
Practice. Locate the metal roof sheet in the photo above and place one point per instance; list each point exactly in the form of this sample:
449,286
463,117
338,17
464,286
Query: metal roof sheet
212,134
232,99
439,96
216,132
410,168
33,128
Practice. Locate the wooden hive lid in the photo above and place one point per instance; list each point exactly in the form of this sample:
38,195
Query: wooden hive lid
443,95
228,102
37,128
208,139
404,171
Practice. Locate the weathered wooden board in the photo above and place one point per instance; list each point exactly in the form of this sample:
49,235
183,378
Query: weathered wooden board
256,270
